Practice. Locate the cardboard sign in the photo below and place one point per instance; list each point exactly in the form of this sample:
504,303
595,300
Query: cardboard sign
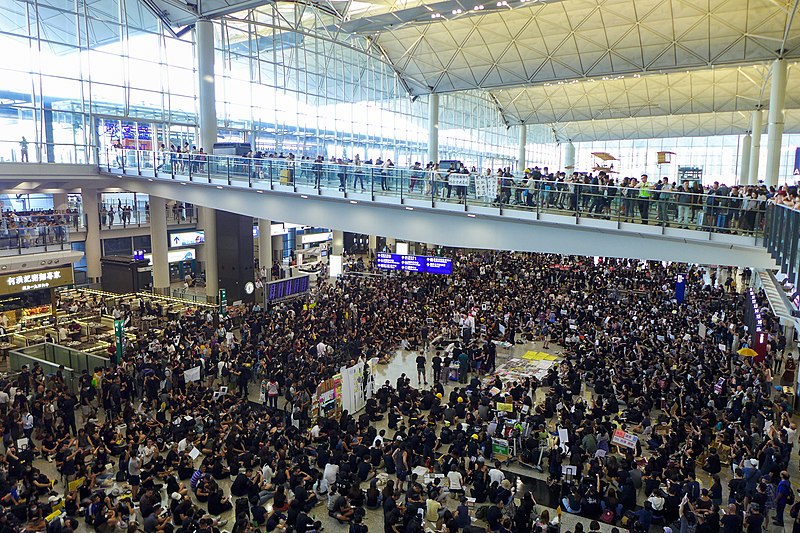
622,438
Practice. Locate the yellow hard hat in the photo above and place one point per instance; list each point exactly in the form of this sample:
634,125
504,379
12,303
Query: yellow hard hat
460,399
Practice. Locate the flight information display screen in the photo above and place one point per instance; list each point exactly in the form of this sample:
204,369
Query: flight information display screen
414,263
278,290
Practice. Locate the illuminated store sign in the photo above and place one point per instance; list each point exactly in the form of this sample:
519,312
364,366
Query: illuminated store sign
40,279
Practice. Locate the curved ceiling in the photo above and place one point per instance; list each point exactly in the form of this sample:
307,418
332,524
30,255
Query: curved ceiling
524,42
593,69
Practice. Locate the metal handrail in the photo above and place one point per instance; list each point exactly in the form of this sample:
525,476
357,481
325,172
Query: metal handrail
708,211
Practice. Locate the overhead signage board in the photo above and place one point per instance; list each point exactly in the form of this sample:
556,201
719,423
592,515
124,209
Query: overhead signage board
414,263
35,280
186,238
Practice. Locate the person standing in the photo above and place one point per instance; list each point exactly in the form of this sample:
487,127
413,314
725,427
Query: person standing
421,369
782,495
436,365
644,199
272,393
23,150
463,366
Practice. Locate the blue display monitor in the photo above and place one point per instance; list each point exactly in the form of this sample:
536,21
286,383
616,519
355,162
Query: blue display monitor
414,263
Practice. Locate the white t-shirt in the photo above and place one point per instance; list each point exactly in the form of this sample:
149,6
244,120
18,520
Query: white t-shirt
266,473
378,439
790,434
330,473
496,476
456,479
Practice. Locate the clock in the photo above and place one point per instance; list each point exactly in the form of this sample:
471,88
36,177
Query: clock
249,287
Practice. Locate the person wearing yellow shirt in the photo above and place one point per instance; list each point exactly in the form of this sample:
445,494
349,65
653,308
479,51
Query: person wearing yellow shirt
644,199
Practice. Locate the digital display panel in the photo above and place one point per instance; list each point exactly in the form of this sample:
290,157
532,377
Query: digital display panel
284,288
414,263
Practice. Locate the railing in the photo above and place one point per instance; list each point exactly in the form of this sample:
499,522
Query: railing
34,239
52,356
781,239
704,212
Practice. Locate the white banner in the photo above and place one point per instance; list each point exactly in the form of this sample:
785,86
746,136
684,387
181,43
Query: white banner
458,179
357,385
486,187
192,374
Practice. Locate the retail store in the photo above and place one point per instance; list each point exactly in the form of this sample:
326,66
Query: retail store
26,297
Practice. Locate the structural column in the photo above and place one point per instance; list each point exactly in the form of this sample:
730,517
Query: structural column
208,218
158,242
60,202
777,101
373,243
204,33
755,147
265,245
433,128
91,212
569,156
337,244
523,141
744,162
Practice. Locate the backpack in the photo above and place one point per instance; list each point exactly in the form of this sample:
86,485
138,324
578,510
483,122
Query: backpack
794,510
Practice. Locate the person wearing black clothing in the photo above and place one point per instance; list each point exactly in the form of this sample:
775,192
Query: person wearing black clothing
494,515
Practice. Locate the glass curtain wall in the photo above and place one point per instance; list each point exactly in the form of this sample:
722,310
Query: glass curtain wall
719,157
79,74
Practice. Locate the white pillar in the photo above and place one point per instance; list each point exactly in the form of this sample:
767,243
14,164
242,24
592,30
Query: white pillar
391,244
744,161
433,128
569,157
755,147
265,245
204,35
523,141
777,101
208,218
158,242
91,210
337,245
373,243
60,202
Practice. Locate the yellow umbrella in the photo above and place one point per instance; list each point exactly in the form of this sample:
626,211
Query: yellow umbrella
747,352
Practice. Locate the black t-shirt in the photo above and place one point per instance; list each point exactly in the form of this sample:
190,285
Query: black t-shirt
420,361
340,504
754,522
731,523
363,470
493,517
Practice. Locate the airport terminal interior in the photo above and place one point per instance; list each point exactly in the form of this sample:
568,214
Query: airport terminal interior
519,266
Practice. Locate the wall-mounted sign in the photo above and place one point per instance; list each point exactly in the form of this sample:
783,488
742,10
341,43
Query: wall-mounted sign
175,256
38,279
307,238
186,238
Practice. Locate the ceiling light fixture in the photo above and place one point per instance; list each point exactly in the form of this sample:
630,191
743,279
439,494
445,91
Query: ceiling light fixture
457,12
304,196
219,186
470,215
353,202
409,208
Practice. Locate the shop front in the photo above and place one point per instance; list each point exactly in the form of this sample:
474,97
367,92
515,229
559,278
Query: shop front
26,298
